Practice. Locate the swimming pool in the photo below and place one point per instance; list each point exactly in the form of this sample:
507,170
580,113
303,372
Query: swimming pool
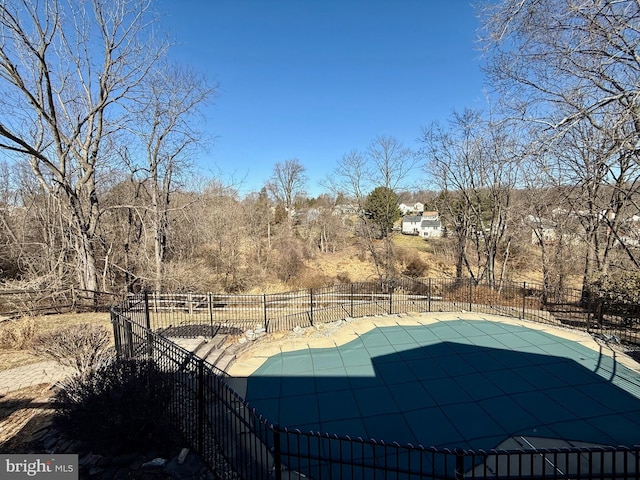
465,383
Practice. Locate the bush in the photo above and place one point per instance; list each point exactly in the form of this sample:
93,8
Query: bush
83,347
416,268
620,293
343,277
308,278
287,264
411,263
622,287
117,408
17,334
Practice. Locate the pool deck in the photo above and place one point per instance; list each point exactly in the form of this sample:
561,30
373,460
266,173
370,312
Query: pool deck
343,332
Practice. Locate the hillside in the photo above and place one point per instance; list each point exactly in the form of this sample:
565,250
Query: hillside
353,264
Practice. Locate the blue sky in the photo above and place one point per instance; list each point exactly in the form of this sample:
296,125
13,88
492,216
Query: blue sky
314,80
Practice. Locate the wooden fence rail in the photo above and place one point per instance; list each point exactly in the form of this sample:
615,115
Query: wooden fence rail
17,303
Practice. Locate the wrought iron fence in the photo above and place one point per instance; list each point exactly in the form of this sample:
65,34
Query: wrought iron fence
233,437
195,314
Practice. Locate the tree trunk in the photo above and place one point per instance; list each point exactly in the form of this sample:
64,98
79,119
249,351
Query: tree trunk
87,272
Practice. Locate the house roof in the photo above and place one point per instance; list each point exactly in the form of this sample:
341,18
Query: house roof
411,219
430,224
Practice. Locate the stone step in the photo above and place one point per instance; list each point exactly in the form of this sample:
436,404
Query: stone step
219,339
205,349
215,355
225,360
237,347
190,344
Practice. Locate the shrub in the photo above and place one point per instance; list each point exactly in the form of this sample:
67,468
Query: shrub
287,264
343,277
621,287
411,263
308,278
619,292
416,268
83,347
116,408
17,334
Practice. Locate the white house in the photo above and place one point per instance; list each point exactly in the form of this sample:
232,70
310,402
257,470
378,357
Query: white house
415,208
426,225
542,230
411,224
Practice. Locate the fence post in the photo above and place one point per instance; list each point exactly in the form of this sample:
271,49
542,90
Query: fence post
147,317
277,452
351,299
190,302
470,294
459,474
210,301
311,306
524,298
128,333
116,332
390,299
429,299
264,307
200,406
147,324
155,301
589,311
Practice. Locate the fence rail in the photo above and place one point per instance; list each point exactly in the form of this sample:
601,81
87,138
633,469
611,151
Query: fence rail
16,303
227,431
193,314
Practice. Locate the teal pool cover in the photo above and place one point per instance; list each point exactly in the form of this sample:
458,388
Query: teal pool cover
462,383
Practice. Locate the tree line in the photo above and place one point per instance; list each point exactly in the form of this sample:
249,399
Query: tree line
99,132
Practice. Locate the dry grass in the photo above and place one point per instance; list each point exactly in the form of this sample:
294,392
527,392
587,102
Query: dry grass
347,262
17,334
412,242
351,264
18,352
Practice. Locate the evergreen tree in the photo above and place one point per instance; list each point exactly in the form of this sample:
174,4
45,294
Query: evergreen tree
381,209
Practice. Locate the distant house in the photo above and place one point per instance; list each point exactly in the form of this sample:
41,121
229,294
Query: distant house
411,224
345,209
542,230
416,208
426,225
548,231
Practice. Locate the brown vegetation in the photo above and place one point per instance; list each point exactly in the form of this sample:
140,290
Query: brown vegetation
19,351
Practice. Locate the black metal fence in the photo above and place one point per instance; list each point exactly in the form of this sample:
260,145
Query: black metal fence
235,440
194,314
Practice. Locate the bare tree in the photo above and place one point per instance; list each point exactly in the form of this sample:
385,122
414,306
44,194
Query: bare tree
165,124
386,164
572,69
475,164
600,184
257,207
66,69
125,215
287,181
547,225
